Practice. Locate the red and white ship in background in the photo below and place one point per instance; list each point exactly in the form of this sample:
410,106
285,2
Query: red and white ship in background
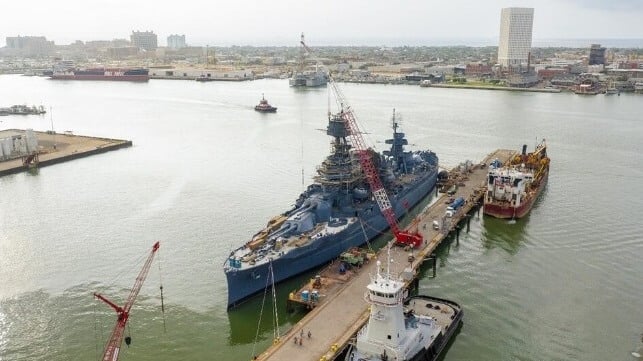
66,71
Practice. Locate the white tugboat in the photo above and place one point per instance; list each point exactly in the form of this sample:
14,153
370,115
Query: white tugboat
418,328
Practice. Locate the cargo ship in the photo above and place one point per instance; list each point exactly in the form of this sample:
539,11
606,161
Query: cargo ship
124,74
512,189
338,211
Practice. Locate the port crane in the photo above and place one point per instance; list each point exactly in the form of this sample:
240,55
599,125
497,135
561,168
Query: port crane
371,172
303,52
114,344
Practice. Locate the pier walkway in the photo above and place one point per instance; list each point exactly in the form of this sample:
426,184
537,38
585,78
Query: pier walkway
342,311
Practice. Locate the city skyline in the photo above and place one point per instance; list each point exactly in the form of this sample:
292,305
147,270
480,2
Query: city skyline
409,22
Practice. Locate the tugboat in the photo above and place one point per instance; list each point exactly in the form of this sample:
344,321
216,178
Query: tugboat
264,107
417,328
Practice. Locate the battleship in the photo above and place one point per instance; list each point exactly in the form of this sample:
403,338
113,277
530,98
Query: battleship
338,211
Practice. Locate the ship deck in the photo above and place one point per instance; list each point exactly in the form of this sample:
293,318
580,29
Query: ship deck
341,310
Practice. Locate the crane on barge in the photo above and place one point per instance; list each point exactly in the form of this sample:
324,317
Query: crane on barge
114,344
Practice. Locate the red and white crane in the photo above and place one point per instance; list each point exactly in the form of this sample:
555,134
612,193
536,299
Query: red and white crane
114,344
371,172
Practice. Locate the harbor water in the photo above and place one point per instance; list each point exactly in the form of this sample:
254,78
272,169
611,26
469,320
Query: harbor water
206,172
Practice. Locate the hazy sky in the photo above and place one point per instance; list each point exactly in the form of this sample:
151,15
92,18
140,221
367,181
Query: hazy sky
325,22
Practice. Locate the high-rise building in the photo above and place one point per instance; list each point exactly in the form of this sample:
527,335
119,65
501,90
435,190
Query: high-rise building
145,40
175,41
596,55
29,45
515,36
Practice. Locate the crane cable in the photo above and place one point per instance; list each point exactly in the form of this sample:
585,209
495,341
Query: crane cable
263,302
275,323
96,332
158,258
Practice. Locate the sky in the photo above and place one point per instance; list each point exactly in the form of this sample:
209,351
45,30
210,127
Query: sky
325,22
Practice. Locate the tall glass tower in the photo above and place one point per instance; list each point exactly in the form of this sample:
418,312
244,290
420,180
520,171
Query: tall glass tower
515,36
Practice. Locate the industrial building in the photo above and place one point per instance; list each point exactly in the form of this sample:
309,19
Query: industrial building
515,36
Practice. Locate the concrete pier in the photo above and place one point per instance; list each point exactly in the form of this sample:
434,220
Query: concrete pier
341,310
56,148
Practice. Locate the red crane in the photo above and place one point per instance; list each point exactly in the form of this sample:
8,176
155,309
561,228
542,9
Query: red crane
114,343
371,172
365,160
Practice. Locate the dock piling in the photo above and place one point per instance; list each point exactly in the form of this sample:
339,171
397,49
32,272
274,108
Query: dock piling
434,260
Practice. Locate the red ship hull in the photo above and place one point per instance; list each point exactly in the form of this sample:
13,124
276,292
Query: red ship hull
141,78
506,211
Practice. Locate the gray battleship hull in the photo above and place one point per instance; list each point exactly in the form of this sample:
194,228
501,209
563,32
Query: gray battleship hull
243,283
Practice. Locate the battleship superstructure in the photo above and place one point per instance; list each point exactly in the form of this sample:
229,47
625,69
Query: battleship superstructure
334,213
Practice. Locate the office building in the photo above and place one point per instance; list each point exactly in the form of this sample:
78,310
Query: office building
29,45
176,41
596,55
145,40
515,36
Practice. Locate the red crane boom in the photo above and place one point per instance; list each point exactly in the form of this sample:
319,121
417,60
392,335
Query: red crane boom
114,344
372,174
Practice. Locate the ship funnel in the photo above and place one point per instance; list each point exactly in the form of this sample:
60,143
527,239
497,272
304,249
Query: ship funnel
524,149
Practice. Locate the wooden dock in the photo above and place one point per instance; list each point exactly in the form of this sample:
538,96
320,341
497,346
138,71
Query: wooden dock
340,310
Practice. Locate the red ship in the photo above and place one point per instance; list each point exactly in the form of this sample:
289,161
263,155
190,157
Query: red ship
125,74
512,190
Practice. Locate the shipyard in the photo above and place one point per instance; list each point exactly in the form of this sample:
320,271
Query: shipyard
345,190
